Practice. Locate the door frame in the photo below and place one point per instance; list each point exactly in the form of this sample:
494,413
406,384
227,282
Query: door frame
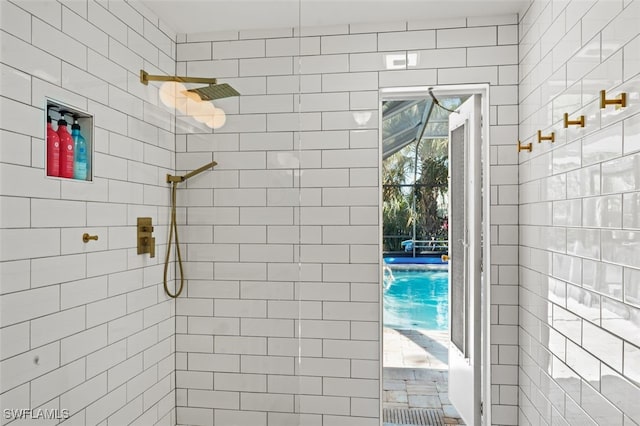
420,92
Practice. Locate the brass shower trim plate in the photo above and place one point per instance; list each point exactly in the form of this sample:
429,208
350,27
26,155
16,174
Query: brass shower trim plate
146,241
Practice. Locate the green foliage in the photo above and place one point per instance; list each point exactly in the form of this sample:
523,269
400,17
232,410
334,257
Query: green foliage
429,194
428,210
396,208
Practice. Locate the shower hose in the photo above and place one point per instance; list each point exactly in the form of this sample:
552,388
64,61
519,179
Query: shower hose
173,226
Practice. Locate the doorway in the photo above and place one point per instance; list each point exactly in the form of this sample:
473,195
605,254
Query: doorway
434,159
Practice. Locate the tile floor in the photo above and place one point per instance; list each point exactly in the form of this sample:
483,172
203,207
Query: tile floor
415,371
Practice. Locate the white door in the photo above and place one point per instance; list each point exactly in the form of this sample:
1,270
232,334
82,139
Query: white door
465,216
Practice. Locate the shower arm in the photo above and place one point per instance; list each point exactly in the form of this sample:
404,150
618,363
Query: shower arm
177,179
145,78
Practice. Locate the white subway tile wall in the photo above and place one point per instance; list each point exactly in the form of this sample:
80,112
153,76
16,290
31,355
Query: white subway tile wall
85,327
280,321
579,262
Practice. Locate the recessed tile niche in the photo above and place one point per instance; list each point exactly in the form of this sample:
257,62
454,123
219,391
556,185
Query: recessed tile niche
68,142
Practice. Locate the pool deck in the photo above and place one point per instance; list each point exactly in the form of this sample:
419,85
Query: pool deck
415,373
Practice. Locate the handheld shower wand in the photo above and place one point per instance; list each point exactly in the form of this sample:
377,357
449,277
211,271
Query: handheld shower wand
174,180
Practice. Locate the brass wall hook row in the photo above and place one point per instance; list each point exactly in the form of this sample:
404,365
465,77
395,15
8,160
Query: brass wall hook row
86,237
619,102
578,122
551,137
527,147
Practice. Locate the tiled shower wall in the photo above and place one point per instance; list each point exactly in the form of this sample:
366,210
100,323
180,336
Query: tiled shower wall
84,327
282,240
580,215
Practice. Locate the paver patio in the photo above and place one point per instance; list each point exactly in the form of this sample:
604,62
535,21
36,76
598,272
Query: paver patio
415,373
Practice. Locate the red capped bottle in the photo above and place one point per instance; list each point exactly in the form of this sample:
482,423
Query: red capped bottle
66,150
53,150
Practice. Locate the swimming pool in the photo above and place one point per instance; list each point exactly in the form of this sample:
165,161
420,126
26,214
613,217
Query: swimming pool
416,299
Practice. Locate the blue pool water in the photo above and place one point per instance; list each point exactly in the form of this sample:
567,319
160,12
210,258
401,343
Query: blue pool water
426,260
417,299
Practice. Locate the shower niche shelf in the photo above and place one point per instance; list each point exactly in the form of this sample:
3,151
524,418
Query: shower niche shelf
75,145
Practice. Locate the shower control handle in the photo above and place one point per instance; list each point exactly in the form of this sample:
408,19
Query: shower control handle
146,241
151,243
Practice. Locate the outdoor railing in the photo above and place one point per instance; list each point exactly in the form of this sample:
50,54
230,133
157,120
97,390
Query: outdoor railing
404,243
426,245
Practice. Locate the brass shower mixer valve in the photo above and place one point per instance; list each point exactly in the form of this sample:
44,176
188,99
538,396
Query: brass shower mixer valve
146,241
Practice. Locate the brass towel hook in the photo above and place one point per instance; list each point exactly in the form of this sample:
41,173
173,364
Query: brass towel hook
619,102
527,147
578,122
86,237
551,137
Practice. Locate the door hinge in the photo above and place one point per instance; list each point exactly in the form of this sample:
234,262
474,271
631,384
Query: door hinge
481,408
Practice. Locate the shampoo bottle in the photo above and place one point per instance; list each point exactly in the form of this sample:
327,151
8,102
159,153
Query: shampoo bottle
53,150
80,160
66,150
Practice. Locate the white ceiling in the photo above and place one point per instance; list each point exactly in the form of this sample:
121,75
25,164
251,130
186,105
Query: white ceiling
194,16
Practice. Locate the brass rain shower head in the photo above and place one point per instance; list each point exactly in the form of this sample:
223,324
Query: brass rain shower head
206,93
215,91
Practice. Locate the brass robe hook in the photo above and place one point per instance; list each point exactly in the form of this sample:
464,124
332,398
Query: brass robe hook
619,102
551,137
578,122
527,147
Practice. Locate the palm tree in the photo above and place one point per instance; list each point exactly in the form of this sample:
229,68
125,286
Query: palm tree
433,181
396,208
429,192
